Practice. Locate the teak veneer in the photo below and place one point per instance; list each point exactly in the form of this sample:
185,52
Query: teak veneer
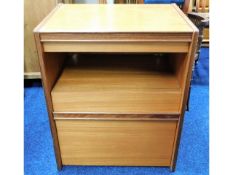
116,80
115,85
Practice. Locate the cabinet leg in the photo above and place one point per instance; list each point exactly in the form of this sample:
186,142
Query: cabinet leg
187,104
59,167
172,168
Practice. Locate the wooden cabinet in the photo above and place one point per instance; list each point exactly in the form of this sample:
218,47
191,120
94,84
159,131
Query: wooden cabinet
116,82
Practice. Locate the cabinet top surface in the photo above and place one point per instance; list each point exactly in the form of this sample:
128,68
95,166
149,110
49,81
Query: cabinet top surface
94,18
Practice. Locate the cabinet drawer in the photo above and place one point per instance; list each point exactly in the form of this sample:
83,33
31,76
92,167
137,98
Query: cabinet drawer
126,143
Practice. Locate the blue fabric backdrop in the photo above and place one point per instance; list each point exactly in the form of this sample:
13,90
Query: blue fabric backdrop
163,1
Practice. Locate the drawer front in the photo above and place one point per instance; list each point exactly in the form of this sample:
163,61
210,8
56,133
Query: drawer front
117,42
118,47
125,143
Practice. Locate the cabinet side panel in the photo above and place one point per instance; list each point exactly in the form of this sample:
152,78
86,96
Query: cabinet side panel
179,61
187,75
50,66
187,79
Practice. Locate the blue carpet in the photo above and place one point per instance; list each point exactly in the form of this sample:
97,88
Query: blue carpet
193,157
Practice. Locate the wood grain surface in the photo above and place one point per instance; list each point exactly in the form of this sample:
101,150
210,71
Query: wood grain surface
119,117
118,85
119,47
124,143
144,96
185,88
116,18
50,65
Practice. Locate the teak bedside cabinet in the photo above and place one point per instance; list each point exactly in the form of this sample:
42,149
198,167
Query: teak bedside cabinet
116,80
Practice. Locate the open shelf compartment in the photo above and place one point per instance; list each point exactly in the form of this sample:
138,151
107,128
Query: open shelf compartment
118,84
